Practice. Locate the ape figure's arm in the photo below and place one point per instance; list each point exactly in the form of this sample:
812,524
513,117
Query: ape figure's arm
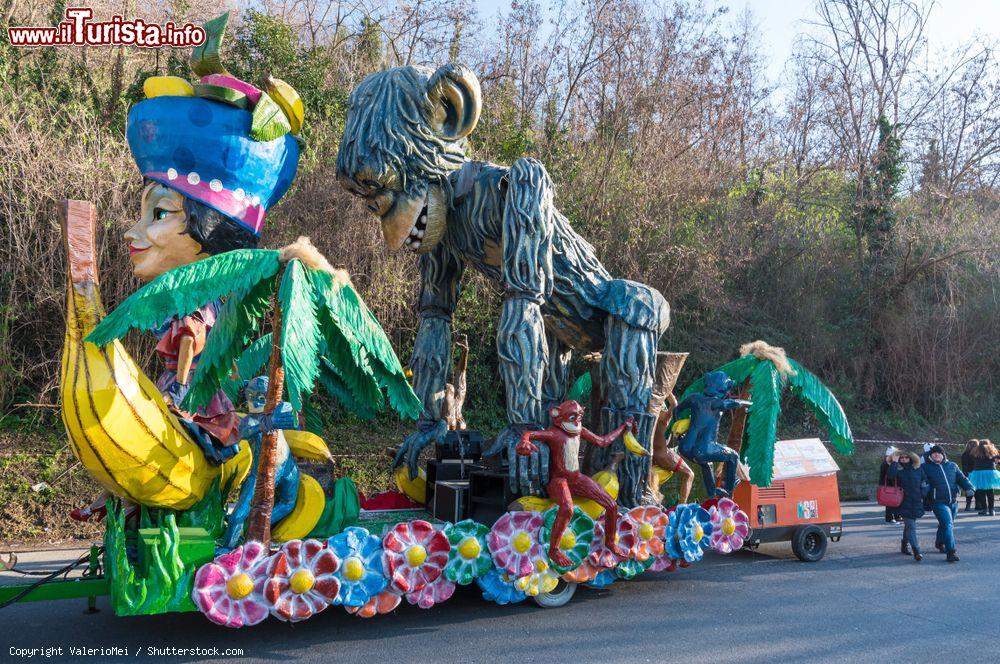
525,446
729,404
440,276
608,439
521,344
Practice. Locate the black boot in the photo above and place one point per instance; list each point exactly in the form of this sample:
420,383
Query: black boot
917,556
952,557
904,548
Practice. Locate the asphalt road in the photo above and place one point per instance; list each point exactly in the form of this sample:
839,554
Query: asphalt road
864,602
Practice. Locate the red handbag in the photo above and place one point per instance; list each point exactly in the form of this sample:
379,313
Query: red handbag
889,495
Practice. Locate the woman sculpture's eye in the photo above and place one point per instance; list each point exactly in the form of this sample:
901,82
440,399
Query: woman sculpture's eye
159,214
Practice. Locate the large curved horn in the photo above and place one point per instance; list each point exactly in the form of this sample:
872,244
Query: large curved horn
457,98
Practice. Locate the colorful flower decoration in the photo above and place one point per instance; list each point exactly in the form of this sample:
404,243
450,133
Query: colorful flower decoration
576,539
663,563
415,555
604,578
730,526
360,573
631,568
380,604
542,579
432,593
301,580
469,557
229,590
582,574
600,555
650,528
497,586
514,542
689,532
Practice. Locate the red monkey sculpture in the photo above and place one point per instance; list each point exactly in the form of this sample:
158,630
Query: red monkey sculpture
563,438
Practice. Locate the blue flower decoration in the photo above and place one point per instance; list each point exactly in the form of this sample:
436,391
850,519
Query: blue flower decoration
360,572
689,532
604,578
498,587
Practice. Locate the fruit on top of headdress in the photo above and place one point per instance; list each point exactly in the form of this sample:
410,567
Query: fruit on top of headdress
276,112
288,99
167,86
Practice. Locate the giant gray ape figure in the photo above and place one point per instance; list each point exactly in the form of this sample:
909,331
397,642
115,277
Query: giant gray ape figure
403,152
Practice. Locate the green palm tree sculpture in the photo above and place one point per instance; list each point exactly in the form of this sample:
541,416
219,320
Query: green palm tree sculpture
762,373
320,330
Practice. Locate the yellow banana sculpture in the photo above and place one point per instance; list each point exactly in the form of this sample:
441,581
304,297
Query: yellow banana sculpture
119,427
633,445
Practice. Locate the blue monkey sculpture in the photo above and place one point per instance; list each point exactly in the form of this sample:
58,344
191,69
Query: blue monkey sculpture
404,153
286,477
699,443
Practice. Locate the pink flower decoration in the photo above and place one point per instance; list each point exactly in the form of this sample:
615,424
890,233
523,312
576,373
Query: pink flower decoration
415,555
385,602
663,563
650,527
730,526
432,593
302,580
600,555
229,590
514,542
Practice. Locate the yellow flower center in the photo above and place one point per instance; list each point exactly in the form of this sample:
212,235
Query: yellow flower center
354,569
469,548
617,538
302,581
416,555
239,586
521,542
728,526
568,540
699,532
646,531
541,565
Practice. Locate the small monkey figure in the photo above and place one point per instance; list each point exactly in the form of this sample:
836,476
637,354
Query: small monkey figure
563,438
454,393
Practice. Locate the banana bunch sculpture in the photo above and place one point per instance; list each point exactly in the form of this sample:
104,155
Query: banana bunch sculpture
118,424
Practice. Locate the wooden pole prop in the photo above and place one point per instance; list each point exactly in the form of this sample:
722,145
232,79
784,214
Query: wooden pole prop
263,496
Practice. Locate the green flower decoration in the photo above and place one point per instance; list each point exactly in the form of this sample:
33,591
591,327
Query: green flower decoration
576,539
630,568
469,557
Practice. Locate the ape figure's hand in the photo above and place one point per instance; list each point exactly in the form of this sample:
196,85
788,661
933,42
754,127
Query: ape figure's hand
409,451
526,447
631,425
525,473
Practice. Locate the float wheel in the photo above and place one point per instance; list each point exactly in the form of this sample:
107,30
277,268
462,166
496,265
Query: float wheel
559,595
809,543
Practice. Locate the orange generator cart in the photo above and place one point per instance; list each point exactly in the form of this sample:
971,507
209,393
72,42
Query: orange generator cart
802,505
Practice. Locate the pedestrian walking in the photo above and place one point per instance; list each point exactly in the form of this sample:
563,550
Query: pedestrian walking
910,478
944,478
985,476
891,454
967,468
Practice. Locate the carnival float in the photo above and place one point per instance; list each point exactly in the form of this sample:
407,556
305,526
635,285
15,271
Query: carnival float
208,505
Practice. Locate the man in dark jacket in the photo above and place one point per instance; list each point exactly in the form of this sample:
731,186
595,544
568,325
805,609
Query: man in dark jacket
944,479
907,474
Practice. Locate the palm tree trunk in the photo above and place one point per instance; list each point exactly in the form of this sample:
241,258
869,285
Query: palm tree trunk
263,496
739,419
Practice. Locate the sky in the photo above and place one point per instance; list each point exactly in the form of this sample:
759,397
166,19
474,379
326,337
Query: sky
951,23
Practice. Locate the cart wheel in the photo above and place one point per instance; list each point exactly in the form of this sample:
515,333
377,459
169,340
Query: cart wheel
809,543
559,596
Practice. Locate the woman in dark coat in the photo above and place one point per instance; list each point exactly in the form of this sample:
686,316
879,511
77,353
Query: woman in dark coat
891,515
906,472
